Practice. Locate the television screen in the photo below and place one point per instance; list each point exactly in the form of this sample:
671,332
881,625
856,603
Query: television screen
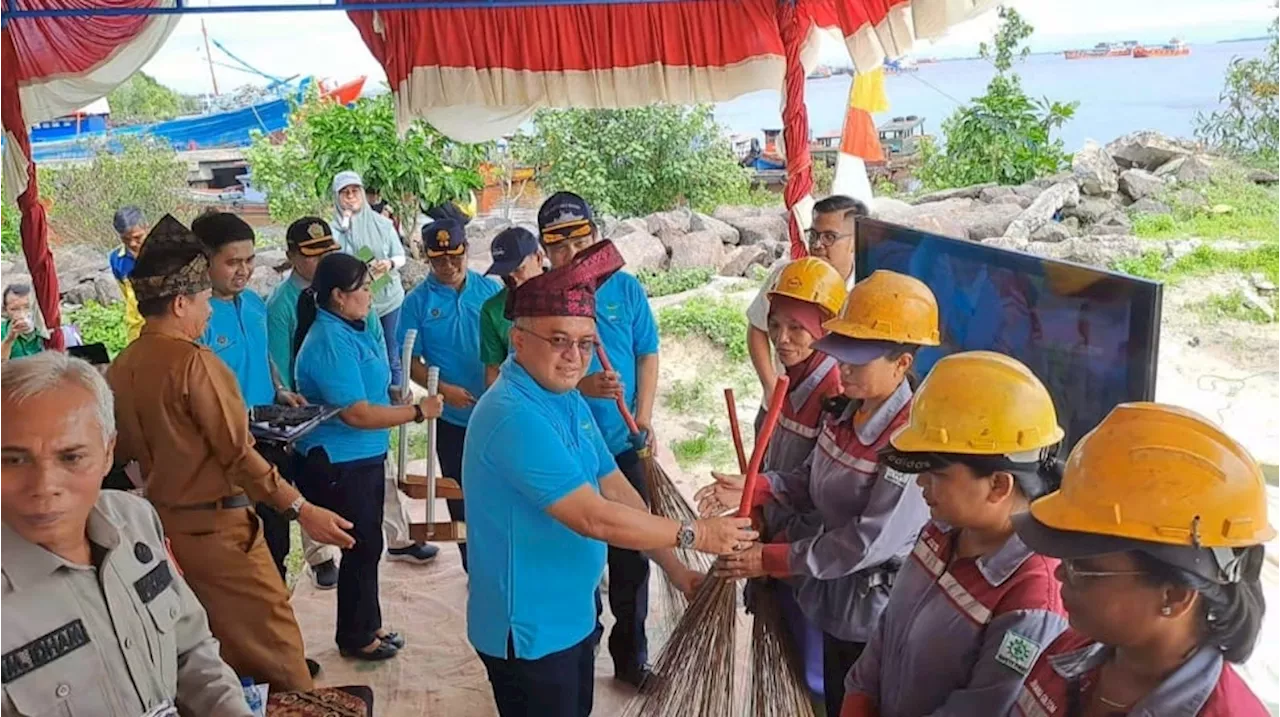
1090,335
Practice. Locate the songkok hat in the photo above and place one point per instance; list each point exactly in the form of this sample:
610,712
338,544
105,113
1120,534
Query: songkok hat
569,290
170,237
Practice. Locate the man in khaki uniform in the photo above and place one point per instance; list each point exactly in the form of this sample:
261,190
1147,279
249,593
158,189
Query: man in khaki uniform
97,620
179,413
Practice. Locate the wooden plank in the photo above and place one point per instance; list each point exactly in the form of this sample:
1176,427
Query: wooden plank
454,532
415,486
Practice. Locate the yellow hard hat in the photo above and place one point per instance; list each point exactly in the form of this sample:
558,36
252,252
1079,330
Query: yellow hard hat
1160,474
888,306
980,403
814,281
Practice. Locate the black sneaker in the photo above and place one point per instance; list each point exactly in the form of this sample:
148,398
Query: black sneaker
325,575
634,676
383,651
313,667
419,553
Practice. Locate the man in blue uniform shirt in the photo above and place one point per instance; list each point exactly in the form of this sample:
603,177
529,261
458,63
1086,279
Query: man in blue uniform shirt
237,333
629,335
445,309
546,496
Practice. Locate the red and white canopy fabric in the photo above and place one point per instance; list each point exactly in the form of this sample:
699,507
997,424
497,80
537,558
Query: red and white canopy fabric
52,67
479,73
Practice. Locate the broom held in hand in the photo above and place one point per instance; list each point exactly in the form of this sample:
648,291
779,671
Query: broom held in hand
637,438
762,443
734,429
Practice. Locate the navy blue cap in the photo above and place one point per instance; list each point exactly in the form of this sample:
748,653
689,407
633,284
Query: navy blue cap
564,215
510,248
853,351
444,237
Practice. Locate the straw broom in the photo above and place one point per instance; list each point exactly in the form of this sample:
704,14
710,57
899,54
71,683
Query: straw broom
694,674
666,500
778,686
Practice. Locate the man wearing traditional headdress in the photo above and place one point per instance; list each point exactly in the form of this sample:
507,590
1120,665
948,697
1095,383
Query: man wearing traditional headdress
180,414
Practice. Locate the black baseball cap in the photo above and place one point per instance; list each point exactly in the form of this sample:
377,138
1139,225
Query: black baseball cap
310,236
564,215
510,248
445,237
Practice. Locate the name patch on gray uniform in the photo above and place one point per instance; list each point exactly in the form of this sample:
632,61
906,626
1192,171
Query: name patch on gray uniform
43,650
154,582
898,478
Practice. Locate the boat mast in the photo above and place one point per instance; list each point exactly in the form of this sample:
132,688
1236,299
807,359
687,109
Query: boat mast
209,57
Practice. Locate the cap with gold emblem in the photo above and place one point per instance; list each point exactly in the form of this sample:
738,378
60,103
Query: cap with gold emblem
445,237
310,236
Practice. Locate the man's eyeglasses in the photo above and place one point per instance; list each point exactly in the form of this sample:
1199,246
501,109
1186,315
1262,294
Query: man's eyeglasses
817,238
562,344
1075,576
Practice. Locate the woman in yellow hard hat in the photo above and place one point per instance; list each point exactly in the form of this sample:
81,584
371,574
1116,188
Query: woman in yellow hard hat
869,515
1160,525
974,604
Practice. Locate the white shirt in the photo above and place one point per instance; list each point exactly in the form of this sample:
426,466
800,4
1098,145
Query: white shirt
758,311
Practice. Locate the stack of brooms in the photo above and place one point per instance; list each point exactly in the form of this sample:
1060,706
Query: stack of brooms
694,676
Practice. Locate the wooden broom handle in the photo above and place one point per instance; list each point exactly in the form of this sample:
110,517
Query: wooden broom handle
762,442
732,405
622,403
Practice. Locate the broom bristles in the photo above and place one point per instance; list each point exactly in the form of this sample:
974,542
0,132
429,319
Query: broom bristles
778,685
666,500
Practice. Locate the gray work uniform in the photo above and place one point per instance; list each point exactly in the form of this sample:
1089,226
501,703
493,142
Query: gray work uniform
123,638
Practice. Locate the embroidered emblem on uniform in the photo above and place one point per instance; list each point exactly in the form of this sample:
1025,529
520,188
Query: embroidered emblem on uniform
142,552
898,478
1018,652
154,582
316,230
43,650
222,340
435,313
442,237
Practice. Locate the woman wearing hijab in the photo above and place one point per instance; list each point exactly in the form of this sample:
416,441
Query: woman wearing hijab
357,226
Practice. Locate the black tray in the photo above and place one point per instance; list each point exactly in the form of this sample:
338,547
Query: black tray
282,425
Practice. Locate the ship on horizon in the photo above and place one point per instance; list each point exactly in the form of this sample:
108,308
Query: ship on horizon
1104,49
1174,48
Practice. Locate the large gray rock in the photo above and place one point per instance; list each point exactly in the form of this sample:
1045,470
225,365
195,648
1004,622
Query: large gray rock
931,218
1170,168
1030,191
1262,176
1094,170
1052,232
1089,210
704,223
1189,198
738,260
1093,251
100,287
888,205
672,222
1146,149
1148,205
264,279
1113,222
273,257
958,193
1139,183
1194,171
413,272
628,226
1052,179
1010,243
696,249
642,251
1043,209
762,228
480,233
776,249
731,215
990,194
991,220
1072,224
1014,199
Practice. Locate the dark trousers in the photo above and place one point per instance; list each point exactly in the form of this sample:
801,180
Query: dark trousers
838,657
629,586
449,440
355,490
561,684
275,529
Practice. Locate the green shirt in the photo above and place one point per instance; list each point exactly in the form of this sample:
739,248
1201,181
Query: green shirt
28,345
494,330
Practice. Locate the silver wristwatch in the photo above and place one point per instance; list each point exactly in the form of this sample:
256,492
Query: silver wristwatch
295,508
686,536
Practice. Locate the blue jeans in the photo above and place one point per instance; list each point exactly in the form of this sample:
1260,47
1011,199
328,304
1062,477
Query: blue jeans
390,327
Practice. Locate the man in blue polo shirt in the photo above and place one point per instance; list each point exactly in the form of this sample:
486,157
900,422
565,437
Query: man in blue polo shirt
445,309
237,333
546,495
629,335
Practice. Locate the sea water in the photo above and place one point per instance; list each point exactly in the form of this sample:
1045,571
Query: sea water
1116,95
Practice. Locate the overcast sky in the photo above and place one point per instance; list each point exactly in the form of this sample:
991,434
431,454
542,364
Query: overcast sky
326,44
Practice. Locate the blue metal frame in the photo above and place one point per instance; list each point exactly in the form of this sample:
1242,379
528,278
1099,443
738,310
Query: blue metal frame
12,12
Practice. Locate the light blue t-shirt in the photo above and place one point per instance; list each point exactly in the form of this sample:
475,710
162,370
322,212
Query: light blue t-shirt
282,323
531,577
338,365
628,331
448,324
237,333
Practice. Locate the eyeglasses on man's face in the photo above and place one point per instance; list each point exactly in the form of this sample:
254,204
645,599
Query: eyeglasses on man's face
563,344
827,238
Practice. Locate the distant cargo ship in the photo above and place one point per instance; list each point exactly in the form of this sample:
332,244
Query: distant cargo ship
1103,49
1175,48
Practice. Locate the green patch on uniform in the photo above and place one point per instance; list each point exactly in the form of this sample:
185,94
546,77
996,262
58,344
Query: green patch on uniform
1018,652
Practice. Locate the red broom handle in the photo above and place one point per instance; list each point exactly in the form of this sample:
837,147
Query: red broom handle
762,441
735,430
622,404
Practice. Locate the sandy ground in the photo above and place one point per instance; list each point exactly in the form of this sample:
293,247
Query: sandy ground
1226,371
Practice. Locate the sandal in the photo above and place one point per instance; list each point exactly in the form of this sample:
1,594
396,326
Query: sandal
384,651
392,638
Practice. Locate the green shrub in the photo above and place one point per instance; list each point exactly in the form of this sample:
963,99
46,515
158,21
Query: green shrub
10,236
1003,136
102,324
1233,305
711,446
665,283
1248,125
1205,260
684,397
720,321
1255,212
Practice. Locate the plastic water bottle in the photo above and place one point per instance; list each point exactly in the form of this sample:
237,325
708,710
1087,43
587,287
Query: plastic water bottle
252,697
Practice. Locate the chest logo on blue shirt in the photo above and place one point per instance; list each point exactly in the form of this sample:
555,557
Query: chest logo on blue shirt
585,426
435,313
611,312
222,340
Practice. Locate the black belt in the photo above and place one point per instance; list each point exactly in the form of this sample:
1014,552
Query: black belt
234,501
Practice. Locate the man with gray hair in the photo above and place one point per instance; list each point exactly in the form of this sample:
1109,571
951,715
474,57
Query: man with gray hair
131,228
97,618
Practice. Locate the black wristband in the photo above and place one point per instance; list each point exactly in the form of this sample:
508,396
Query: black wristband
418,416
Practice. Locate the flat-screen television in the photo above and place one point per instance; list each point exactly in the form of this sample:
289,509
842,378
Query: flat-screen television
1092,336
